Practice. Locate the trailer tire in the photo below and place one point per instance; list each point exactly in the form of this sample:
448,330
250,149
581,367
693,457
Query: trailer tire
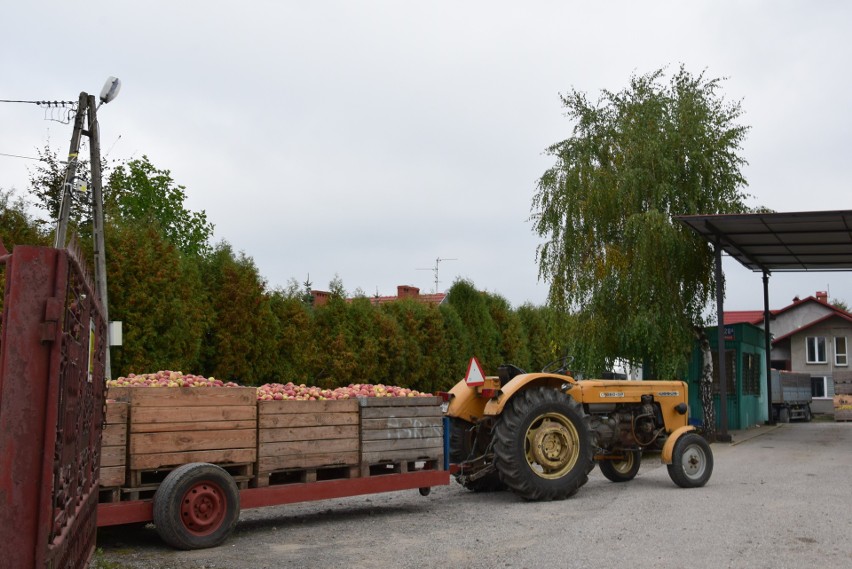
196,506
783,415
692,461
622,470
808,415
543,449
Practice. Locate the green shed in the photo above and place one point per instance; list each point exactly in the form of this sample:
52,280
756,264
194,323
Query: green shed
745,357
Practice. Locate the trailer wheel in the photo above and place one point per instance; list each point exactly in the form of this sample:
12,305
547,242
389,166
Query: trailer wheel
543,448
622,470
808,415
784,415
196,506
692,461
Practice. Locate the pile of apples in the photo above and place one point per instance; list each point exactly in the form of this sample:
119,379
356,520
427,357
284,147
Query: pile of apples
290,391
168,378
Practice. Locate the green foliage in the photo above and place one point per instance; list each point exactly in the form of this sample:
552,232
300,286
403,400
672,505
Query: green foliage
157,294
46,181
17,226
295,348
142,194
472,308
241,337
612,252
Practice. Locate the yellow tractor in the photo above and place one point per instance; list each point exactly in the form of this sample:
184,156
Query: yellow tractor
540,434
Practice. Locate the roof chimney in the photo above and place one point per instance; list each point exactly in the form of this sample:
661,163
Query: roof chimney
320,297
822,296
405,291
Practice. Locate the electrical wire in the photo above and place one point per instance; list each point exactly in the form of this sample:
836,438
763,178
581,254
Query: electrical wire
24,157
47,103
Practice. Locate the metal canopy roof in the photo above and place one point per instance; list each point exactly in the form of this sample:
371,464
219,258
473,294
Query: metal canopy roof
766,242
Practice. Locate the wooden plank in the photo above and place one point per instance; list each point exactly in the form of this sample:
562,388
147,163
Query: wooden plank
306,419
113,456
267,464
383,412
150,443
299,448
291,406
192,396
168,459
395,434
190,426
399,401
317,435
192,414
402,455
401,423
114,435
401,444
116,412
111,476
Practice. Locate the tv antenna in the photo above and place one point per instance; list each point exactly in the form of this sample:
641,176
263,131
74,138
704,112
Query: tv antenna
434,269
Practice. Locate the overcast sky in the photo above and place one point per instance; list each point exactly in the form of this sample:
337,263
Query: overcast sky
368,139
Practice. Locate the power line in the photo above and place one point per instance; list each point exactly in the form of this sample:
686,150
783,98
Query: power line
46,103
24,157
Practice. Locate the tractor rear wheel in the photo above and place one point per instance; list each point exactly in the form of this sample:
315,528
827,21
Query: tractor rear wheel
622,470
543,450
692,461
463,447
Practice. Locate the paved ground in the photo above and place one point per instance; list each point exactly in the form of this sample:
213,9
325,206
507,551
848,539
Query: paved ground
779,497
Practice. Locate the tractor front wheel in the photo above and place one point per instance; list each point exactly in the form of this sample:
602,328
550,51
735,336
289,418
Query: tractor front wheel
543,449
692,461
622,470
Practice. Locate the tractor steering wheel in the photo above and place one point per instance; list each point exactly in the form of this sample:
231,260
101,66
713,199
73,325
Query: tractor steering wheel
558,366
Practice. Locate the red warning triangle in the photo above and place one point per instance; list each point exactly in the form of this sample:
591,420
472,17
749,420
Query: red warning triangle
475,375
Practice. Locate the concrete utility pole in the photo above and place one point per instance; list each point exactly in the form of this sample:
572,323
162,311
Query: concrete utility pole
88,107
98,220
70,174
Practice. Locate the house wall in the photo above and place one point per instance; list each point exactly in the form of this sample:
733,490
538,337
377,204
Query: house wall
798,349
794,319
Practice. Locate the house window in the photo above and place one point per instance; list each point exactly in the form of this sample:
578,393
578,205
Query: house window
840,357
818,387
816,350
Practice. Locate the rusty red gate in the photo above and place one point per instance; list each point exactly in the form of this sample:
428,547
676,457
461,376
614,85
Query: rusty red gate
52,354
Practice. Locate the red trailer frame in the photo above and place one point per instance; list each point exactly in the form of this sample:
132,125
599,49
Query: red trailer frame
141,511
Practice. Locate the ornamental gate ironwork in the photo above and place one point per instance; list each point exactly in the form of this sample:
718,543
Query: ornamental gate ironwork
52,354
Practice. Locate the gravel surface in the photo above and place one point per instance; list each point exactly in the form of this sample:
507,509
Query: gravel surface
779,497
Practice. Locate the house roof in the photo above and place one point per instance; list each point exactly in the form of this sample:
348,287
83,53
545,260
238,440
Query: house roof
741,316
436,298
756,316
795,241
840,314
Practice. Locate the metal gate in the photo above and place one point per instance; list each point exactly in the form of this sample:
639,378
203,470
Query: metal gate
52,353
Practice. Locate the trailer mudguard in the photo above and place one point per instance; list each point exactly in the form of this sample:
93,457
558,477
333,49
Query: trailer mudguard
668,448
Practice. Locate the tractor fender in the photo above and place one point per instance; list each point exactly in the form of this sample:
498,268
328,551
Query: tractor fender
668,447
519,383
464,403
